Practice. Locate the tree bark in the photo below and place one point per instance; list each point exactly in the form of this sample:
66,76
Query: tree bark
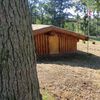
18,76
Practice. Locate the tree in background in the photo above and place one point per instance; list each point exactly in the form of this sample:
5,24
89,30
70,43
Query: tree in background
78,22
56,12
18,76
33,5
52,11
94,6
97,7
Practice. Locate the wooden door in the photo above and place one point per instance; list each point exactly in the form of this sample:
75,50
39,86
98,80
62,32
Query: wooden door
53,44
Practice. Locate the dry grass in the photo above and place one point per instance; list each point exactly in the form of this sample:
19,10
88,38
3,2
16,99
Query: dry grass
73,77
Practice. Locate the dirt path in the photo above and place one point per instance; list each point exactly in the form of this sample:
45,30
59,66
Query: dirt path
76,77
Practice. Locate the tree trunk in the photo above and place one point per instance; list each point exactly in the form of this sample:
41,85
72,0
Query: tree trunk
18,76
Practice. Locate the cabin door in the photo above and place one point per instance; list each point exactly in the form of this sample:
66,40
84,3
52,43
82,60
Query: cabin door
53,44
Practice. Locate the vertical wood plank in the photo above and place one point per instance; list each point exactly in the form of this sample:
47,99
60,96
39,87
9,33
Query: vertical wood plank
35,42
46,44
59,43
64,44
70,44
42,44
38,45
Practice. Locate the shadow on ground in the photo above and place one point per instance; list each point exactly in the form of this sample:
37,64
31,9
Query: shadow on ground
79,59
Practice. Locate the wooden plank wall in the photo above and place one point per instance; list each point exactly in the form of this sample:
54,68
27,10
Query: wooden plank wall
67,44
41,44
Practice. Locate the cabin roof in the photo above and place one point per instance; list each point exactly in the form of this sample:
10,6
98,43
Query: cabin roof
39,29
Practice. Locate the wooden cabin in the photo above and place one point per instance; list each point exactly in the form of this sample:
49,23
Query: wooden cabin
54,40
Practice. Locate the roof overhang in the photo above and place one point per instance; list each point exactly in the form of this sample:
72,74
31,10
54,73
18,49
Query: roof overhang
39,29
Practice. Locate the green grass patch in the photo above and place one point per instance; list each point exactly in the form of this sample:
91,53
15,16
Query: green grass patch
46,95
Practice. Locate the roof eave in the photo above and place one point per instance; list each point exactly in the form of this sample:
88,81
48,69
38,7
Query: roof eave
54,28
43,30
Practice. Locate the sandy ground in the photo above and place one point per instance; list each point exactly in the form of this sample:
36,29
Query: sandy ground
72,77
